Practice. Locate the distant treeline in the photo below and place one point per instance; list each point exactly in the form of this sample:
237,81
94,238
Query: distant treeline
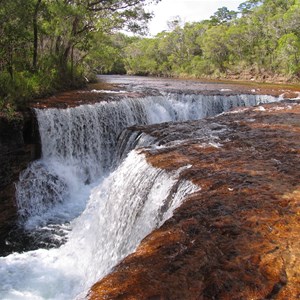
49,45
261,39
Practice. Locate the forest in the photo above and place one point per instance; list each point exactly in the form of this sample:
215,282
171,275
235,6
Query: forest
50,45
261,39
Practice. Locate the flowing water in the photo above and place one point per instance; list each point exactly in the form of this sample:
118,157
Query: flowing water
82,198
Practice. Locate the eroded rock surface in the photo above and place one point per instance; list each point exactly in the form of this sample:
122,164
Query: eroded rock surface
19,145
236,238
115,88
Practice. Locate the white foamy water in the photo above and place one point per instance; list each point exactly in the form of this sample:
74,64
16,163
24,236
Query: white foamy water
79,147
110,211
129,204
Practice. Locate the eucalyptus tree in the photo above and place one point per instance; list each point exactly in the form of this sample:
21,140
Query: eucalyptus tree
69,24
288,54
107,53
261,39
43,43
15,49
247,7
223,15
15,35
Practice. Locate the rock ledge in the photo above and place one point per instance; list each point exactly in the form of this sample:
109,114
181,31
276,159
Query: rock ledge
236,238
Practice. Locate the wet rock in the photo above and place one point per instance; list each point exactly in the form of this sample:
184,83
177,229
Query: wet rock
19,145
115,88
236,238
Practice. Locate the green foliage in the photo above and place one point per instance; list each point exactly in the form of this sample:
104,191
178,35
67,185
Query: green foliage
261,39
48,45
288,53
106,55
223,15
246,7
215,47
142,61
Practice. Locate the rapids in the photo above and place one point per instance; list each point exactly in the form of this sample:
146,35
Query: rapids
98,206
122,210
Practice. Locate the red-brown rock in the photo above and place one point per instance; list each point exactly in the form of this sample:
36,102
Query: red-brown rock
236,238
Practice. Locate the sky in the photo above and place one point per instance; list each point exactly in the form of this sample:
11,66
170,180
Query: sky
188,10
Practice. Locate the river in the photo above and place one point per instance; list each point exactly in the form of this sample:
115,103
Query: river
88,203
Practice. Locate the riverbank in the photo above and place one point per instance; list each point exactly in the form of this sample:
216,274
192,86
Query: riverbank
116,87
236,238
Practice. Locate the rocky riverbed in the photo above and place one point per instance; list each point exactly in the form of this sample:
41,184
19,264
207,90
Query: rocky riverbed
236,238
117,87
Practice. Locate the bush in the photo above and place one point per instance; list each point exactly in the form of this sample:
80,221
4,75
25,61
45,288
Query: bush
16,92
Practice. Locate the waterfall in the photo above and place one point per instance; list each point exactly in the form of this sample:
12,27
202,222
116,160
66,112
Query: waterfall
79,147
85,137
103,206
125,207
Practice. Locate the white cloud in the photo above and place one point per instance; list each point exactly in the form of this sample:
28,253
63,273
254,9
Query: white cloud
188,10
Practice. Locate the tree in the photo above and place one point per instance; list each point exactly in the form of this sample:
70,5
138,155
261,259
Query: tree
223,15
35,33
73,21
288,52
248,6
43,43
215,49
262,41
141,57
291,18
174,22
15,32
106,54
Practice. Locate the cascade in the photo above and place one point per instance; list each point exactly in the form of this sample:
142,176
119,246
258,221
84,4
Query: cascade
125,207
79,147
104,205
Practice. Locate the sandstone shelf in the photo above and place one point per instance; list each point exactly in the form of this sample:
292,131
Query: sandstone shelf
237,237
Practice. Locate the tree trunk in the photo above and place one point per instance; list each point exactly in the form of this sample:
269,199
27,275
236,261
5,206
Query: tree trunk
72,64
35,35
11,61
